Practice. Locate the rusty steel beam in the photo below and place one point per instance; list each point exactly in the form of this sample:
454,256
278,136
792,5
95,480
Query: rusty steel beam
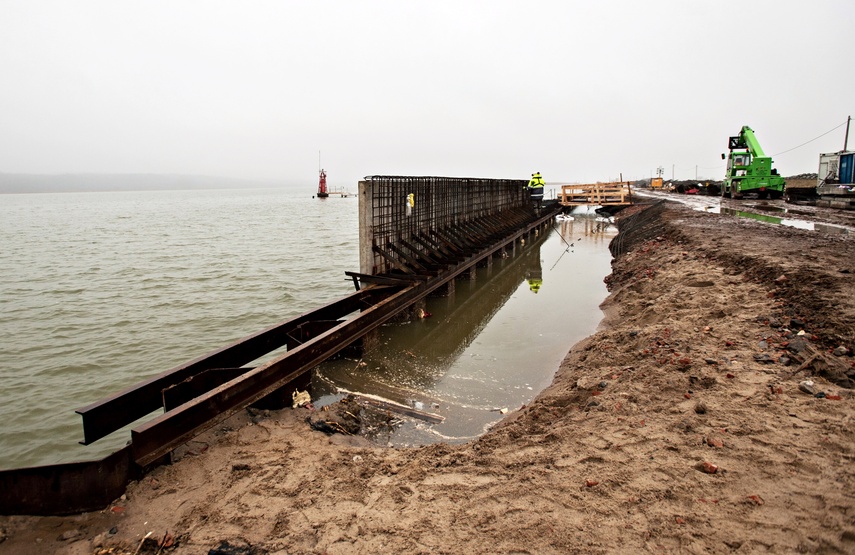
157,437
422,269
394,261
424,255
380,280
308,330
461,237
180,393
67,488
116,411
436,251
445,245
452,241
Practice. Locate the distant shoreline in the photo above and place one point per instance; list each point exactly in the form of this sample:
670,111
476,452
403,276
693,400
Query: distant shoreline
19,183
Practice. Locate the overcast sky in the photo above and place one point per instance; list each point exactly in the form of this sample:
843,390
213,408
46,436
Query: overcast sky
580,91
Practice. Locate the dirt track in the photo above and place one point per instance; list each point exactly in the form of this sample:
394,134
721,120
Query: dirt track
680,427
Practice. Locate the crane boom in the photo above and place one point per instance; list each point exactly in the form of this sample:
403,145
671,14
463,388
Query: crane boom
751,142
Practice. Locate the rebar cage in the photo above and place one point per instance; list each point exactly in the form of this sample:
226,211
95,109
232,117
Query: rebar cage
400,217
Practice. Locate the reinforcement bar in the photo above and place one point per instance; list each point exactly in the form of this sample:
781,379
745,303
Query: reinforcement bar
402,211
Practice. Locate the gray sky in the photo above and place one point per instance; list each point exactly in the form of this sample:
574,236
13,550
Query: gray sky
581,91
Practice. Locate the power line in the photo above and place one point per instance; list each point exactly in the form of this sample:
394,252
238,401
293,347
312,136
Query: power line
778,154
812,140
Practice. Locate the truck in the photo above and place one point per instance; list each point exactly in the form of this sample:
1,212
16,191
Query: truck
749,170
657,182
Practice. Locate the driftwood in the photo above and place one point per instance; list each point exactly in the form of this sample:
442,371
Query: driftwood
820,364
401,409
346,415
806,361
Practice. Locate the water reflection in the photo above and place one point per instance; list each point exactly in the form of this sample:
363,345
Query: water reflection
713,206
770,208
751,215
799,224
493,344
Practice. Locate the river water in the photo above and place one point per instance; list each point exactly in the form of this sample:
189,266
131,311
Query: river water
101,290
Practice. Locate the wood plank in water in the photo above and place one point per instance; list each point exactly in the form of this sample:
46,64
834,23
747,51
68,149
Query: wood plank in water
402,409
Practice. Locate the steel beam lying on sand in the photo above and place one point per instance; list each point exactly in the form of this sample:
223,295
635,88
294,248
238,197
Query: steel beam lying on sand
67,488
158,437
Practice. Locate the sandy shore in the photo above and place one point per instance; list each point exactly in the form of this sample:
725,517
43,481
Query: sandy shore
681,427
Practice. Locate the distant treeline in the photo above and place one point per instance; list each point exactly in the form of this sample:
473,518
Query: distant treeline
86,182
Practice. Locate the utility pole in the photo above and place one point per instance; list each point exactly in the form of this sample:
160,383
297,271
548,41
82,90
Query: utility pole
846,140
672,172
696,172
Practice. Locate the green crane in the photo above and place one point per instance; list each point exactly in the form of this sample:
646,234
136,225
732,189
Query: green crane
749,170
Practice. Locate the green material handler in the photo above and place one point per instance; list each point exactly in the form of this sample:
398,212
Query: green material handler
749,170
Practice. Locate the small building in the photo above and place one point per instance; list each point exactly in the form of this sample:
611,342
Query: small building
835,180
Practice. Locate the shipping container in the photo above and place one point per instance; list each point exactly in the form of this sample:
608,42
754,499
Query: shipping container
846,167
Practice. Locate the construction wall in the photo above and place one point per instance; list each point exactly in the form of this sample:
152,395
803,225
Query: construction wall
387,216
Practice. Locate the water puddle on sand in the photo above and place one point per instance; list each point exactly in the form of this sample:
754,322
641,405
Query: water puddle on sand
799,224
713,206
491,346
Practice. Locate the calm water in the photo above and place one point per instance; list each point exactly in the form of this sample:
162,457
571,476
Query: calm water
101,290
494,344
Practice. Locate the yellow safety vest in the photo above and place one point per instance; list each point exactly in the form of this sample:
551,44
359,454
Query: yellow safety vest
536,181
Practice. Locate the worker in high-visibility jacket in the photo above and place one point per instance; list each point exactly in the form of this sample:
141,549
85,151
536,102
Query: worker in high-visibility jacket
534,277
535,189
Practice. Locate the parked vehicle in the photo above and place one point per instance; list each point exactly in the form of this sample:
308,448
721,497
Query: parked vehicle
749,170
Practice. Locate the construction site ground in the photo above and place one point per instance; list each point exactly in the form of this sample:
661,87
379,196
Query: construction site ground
685,425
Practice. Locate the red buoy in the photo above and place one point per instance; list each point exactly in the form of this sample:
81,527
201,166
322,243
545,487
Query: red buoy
322,185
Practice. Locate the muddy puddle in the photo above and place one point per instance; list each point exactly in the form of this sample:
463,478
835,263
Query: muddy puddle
761,212
487,349
769,217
